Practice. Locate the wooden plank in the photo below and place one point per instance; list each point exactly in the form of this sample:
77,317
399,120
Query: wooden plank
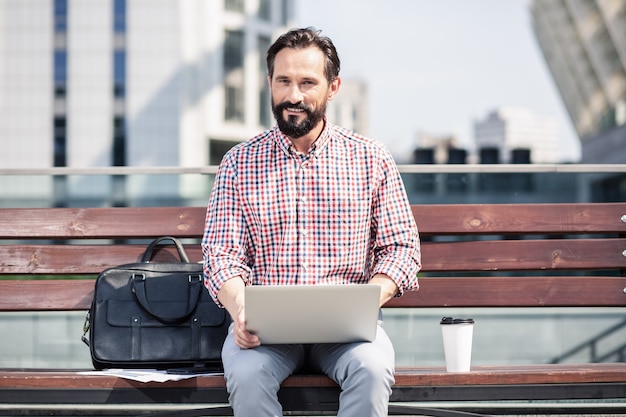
524,255
459,219
89,223
542,291
67,295
120,222
405,377
46,295
494,255
514,375
80,259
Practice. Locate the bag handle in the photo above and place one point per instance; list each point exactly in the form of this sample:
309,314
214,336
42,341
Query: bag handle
194,288
182,254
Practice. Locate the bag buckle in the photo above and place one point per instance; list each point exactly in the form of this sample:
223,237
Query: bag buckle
191,278
139,277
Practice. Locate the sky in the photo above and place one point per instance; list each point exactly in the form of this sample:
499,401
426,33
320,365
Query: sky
438,66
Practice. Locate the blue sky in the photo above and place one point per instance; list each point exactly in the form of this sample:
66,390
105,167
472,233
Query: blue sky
439,65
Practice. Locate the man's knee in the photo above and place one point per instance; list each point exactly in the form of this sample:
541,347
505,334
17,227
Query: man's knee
250,374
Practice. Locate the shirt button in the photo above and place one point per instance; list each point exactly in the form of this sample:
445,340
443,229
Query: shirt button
303,199
305,265
304,232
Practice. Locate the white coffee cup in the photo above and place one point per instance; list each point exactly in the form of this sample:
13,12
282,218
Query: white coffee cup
457,343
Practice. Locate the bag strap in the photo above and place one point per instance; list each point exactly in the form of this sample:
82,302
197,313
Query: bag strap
194,289
182,254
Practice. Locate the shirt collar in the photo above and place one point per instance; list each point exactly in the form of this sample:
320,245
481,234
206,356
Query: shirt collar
314,151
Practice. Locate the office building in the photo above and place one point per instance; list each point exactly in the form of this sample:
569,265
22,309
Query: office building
350,108
508,131
133,82
584,45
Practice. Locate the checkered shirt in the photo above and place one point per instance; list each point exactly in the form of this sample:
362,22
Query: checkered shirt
336,215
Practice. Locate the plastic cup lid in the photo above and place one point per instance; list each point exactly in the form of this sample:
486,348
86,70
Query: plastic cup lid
451,320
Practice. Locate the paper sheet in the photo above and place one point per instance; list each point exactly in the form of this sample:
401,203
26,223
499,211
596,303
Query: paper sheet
146,375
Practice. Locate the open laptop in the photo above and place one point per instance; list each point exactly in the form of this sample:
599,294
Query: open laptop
312,313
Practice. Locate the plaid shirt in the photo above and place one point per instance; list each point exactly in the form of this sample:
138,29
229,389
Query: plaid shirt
336,215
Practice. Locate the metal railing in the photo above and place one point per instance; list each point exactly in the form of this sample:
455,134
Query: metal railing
425,184
403,168
592,347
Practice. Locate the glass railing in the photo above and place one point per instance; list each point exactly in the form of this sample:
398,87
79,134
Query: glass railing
425,184
501,335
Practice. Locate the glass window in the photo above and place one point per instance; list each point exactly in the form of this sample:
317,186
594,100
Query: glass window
234,5
234,109
60,73
233,76
60,142
119,141
119,66
233,50
119,73
119,16
60,15
60,91
265,115
60,65
265,10
285,12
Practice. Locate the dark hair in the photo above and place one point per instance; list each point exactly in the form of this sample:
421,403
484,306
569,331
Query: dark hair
304,38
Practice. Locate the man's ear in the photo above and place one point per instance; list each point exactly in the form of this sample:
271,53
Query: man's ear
334,88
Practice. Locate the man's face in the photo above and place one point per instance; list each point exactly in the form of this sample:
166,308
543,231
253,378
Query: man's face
300,90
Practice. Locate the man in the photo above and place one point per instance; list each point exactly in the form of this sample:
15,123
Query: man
307,203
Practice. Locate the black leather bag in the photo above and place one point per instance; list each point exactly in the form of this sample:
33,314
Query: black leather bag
155,315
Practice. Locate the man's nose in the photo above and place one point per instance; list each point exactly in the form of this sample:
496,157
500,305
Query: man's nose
295,95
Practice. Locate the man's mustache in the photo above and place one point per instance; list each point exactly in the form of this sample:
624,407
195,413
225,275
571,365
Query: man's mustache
299,106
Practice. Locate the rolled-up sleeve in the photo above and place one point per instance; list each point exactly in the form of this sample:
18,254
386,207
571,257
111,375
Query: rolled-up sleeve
396,239
225,239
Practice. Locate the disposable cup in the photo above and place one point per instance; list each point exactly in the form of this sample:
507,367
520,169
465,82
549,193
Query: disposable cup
457,343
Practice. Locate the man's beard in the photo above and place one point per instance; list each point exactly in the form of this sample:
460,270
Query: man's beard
291,127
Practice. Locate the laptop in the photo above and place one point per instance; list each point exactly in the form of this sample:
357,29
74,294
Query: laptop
312,313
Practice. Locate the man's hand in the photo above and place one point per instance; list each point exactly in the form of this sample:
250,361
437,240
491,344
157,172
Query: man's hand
231,295
388,287
243,338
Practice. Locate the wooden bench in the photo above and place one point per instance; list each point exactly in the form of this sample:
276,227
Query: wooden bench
518,255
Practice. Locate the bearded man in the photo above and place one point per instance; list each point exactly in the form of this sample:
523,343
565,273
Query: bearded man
307,203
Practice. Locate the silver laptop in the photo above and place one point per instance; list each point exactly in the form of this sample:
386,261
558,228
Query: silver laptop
312,313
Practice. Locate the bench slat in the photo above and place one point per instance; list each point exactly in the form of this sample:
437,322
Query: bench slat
100,223
81,259
520,218
46,295
514,374
449,219
405,376
525,255
496,255
516,292
68,295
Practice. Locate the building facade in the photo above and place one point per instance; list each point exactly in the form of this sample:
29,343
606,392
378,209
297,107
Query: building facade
133,82
511,132
584,45
350,108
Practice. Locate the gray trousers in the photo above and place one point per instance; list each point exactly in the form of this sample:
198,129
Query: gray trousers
364,371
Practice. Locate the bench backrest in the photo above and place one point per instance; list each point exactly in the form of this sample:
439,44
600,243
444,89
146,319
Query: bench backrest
482,255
